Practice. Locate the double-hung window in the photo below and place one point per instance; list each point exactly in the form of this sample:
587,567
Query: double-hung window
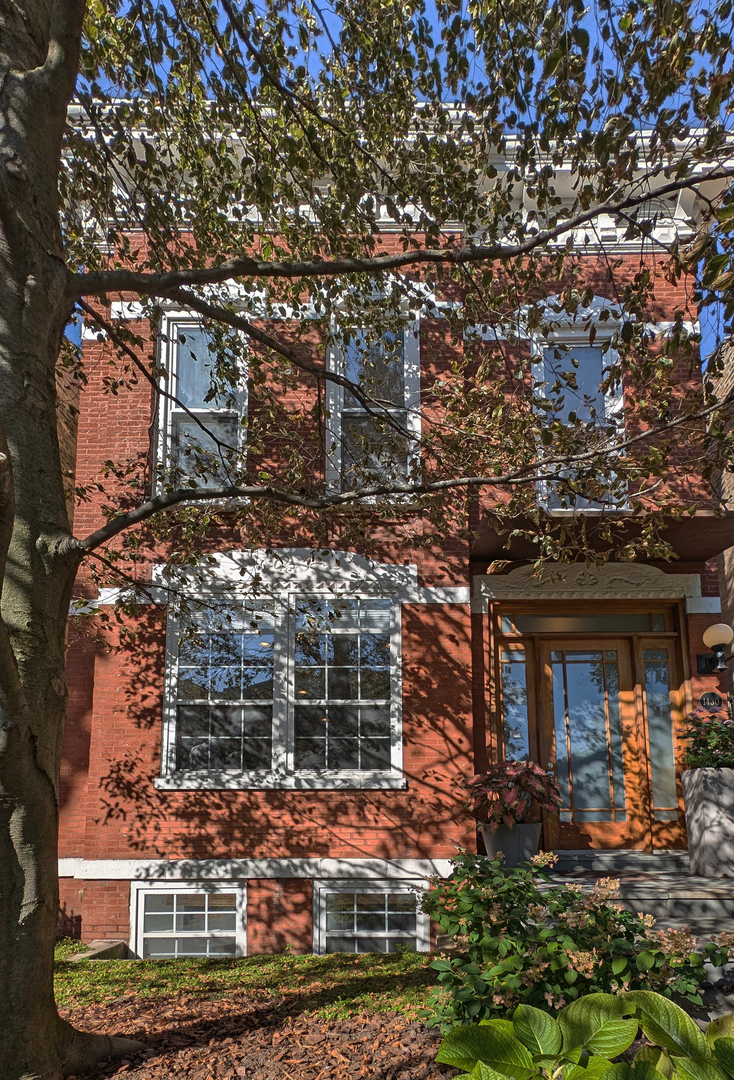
302,691
201,429
342,688
571,374
374,438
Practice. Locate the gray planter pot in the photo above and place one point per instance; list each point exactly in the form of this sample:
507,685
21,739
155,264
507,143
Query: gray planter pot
517,844
709,803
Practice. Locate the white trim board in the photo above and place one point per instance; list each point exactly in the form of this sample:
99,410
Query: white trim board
280,571
242,869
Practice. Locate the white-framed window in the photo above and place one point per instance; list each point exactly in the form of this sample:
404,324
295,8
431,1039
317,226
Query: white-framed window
202,428
570,372
302,691
174,919
369,916
379,442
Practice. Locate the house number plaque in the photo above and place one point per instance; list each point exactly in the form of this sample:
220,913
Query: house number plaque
711,700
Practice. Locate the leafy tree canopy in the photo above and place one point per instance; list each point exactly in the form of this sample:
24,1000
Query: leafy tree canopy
347,163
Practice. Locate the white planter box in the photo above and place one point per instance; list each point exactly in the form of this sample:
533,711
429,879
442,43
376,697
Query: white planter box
709,802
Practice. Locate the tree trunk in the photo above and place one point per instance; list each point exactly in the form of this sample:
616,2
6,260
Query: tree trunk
39,45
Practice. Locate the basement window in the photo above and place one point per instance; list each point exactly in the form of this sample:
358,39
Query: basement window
185,920
369,917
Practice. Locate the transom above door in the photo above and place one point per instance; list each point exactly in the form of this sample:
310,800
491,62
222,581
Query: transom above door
596,696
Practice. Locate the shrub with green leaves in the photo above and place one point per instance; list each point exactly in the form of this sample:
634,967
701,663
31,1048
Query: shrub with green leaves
709,740
584,1038
519,940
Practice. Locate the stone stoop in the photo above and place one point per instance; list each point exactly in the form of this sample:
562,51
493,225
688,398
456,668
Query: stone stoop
658,884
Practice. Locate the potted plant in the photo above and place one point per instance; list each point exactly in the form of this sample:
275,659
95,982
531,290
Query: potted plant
509,802
708,792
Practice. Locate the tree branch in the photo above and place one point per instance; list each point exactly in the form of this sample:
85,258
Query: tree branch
239,322
166,284
59,72
130,353
534,472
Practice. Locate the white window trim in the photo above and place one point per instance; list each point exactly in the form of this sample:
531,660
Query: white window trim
167,360
322,887
335,403
283,774
138,889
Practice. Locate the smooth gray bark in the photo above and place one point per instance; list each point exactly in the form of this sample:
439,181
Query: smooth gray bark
39,47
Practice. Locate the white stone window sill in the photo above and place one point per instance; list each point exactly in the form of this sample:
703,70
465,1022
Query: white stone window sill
303,781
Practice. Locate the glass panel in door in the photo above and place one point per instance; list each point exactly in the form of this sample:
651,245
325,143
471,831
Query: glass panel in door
659,686
590,731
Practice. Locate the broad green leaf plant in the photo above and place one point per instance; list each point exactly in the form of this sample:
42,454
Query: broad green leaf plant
581,1042
518,939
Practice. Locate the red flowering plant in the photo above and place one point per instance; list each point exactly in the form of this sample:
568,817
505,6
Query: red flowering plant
512,793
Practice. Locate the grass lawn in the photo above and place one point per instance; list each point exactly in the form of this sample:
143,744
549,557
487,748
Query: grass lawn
333,987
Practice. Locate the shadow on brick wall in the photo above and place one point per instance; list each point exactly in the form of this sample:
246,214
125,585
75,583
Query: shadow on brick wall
68,924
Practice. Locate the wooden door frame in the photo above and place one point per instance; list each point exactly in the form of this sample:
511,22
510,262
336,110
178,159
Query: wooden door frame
675,639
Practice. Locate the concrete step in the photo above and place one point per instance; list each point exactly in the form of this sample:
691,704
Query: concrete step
670,896
615,863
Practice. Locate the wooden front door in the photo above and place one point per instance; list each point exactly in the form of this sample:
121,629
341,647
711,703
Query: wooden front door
600,710
589,729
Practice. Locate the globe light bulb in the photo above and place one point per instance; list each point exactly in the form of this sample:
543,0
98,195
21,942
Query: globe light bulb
718,635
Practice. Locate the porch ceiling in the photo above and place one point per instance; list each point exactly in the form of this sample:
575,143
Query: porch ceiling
694,539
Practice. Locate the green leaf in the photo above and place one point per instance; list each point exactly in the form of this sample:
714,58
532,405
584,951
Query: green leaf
595,1022
465,1046
594,1068
666,1024
482,1071
657,1057
723,1026
619,963
724,1053
645,960
697,1069
536,1030
501,1025
643,1070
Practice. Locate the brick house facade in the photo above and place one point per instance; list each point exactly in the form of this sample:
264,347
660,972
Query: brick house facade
215,800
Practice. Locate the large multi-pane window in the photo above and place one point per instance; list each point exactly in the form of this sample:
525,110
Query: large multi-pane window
373,440
341,687
224,692
271,690
364,917
202,427
188,920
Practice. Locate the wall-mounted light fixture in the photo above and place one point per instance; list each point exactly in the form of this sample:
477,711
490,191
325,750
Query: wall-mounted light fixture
716,638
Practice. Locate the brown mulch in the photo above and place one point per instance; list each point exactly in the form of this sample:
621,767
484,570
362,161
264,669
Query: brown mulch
193,1039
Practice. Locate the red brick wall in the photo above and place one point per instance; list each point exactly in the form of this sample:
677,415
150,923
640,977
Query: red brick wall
71,901
93,910
126,817
700,684
279,913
